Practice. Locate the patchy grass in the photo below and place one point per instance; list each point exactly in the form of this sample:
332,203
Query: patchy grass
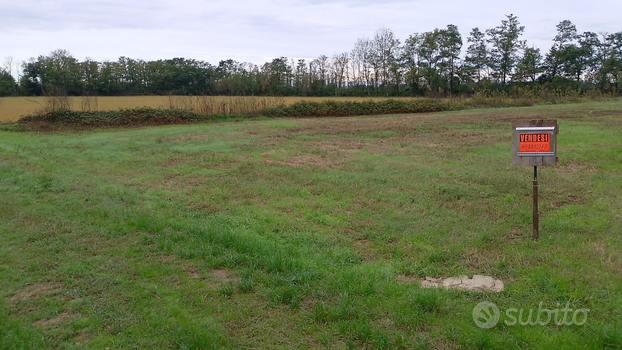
308,233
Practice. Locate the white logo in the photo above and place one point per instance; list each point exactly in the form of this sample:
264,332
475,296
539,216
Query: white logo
486,315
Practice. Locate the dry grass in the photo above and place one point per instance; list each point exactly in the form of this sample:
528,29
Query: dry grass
61,318
12,108
36,290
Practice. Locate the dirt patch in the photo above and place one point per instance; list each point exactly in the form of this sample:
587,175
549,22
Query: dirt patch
271,140
479,259
184,138
305,160
224,276
405,278
398,134
180,182
335,152
395,134
357,126
604,113
324,154
209,160
60,318
82,337
429,123
559,200
339,146
364,248
307,303
478,283
608,257
35,290
192,272
574,168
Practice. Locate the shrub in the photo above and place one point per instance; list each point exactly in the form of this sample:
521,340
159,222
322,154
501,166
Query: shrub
123,117
331,108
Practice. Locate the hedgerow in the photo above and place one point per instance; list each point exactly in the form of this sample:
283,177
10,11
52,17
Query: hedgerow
331,108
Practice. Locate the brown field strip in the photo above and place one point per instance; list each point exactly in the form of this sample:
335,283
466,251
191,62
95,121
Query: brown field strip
13,108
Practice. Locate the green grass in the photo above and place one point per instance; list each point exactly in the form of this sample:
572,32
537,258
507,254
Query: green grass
308,233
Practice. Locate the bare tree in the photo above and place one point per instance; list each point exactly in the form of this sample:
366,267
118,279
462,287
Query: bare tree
323,65
319,70
363,54
355,68
8,64
302,77
340,70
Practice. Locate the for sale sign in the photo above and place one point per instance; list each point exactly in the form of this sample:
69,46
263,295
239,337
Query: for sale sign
534,142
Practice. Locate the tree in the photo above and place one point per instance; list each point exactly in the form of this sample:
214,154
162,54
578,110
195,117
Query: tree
8,65
430,62
61,70
319,70
279,75
427,62
529,66
30,83
90,76
576,58
412,62
477,57
610,70
108,82
363,54
450,44
7,83
558,53
340,70
386,51
301,77
505,46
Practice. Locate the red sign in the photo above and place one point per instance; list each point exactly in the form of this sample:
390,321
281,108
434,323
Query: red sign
534,142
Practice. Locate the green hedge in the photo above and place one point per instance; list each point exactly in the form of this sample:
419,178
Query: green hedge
331,108
122,117
151,116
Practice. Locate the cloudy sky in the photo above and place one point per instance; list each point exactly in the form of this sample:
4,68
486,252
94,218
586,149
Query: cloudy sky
259,30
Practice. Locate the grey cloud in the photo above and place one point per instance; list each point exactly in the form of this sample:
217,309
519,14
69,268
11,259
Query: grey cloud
59,15
251,30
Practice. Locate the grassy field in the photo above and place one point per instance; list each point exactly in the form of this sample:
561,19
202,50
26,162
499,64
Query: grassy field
308,233
12,108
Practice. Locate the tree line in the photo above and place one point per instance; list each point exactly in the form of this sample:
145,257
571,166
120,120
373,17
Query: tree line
425,64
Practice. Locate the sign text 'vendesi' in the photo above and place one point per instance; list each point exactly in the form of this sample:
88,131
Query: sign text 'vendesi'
534,142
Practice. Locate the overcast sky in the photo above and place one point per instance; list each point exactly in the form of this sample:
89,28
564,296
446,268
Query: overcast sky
259,30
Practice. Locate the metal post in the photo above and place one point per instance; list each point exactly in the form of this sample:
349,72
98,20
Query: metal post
536,218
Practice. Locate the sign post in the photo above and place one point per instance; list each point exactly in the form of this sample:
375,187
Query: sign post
536,216
534,143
